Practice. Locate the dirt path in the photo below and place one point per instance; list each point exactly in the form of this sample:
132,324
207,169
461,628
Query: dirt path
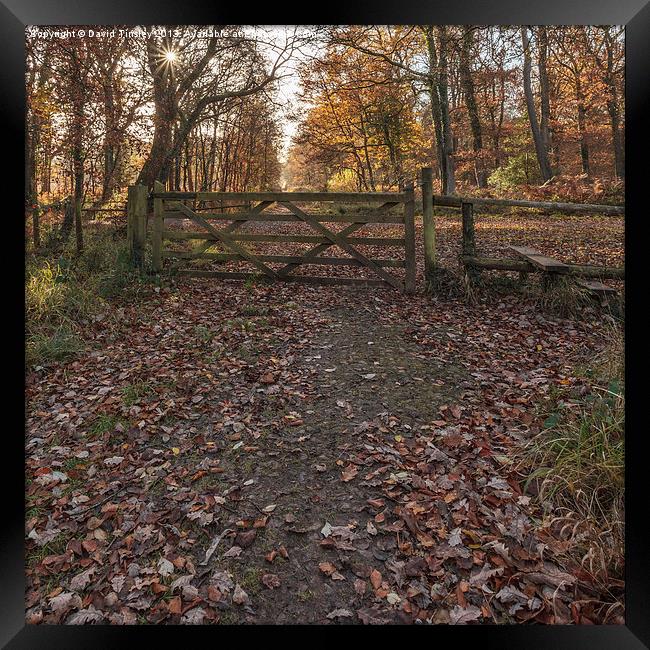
361,374
349,452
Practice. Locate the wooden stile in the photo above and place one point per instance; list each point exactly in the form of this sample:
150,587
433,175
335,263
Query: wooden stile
542,262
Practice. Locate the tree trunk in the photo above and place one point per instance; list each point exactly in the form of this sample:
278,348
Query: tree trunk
157,165
470,103
366,154
614,115
78,91
540,148
448,137
544,91
439,113
617,139
582,127
437,127
46,164
33,131
112,142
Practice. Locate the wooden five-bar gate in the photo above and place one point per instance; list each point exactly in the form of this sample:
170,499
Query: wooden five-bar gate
217,227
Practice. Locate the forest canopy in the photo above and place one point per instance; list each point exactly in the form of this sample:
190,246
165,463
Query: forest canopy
231,108
489,106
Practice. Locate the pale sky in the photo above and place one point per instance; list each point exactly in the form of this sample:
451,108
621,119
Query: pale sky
289,85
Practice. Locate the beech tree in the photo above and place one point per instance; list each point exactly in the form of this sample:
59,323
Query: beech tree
399,49
541,143
544,91
189,75
469,93
607,49
38,72
362,120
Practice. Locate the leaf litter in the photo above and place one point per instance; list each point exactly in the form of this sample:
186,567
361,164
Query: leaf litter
371,477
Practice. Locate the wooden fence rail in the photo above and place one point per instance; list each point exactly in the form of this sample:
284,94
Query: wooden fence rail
174,205
315,197
473,263
591,208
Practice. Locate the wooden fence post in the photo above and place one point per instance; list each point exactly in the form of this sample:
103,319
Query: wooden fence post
428,224
409,236
469,241
156,243
137,223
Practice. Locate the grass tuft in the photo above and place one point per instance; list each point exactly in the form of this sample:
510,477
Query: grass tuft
63,291
445,284
577,463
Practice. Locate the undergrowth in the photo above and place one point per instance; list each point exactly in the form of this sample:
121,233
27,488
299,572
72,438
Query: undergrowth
577,463
444,283
565,298
64,291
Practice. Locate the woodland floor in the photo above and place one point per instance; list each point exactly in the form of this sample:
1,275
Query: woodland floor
236,453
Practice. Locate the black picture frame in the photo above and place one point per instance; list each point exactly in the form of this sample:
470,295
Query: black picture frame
15,15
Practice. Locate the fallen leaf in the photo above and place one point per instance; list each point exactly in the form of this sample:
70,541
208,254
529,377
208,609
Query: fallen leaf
271,580
463,615
82,580
174,605
239,597
327,568
165,567
233,551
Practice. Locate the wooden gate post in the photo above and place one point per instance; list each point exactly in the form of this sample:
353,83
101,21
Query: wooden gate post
137,223
429,229
409,236
469,240
156,242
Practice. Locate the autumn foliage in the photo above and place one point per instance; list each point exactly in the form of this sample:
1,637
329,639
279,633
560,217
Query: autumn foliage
203,451
384,101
